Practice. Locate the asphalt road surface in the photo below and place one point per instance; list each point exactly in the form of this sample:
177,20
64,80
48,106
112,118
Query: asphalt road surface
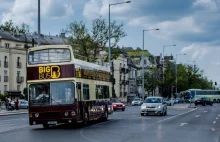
180,125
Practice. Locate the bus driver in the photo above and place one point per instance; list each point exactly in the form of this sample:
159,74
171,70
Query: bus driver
43,95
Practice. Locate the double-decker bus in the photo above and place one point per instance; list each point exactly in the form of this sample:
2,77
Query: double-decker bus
214,95
66,89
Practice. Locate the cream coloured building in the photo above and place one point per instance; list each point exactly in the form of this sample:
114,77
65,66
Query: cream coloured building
13,58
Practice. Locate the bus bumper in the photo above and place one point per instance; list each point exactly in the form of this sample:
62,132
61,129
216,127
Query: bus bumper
52,121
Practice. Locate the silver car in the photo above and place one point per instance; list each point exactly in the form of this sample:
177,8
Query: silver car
137,101
154,105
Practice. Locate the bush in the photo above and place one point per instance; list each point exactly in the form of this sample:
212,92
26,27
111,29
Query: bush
2,97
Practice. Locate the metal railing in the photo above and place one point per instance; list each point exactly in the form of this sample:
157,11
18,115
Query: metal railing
91,60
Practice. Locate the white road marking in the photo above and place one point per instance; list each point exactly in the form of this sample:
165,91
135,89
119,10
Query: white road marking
175,116
144,118
214,122
213,129
217,118
219,115
133,115
197,115
205,111
181,124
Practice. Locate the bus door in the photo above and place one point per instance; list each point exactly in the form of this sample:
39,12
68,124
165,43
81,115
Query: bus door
79,103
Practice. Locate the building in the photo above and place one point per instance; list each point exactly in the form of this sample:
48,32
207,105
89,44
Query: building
13,57
121,77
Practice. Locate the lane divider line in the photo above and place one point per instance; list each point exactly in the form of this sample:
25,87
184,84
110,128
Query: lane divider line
214,122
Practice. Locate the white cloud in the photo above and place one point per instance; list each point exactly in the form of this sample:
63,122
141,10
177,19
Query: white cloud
198,51
96,8
208,4
25,11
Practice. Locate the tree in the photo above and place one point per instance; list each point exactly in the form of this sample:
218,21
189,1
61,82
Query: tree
91,42
9,26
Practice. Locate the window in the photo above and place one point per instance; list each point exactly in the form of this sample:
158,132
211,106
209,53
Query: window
6,58
55,93
18,73
145,62
7,45
5,88
18,87
124,65
120,64
5,72
102,92
18,59
49,56
120,78
86,92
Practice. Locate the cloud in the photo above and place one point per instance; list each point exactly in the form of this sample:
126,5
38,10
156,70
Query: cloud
25,11
95,8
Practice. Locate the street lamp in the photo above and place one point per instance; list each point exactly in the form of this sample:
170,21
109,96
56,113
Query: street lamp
109,28
143,91
164,62
109,42
176,70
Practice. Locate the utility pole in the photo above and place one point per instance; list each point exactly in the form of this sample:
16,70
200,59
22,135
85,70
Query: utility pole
38,40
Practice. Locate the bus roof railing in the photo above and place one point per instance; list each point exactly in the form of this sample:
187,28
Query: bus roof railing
91,60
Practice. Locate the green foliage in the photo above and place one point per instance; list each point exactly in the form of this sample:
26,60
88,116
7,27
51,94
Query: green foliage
2,97
90,42
10,27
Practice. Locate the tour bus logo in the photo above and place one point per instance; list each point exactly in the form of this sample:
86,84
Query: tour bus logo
49,72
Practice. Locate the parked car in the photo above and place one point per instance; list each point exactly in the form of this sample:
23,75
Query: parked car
22,104
117,105
137,101
169,102
180,100
203,101
154,105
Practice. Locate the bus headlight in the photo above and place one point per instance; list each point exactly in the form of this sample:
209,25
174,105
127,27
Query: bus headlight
73,113
36,114
66,114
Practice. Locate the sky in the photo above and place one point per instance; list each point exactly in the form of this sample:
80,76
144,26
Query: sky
192,25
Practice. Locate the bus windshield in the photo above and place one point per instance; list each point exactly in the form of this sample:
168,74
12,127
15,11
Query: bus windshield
49,56
53,93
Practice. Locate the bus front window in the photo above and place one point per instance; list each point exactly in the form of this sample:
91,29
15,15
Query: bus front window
54,93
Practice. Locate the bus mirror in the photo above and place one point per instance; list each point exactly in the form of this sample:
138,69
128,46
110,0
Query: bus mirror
78,86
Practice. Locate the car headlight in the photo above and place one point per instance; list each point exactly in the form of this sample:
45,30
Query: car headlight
159,106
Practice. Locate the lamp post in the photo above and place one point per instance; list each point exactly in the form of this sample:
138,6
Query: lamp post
38,39
176,70
109,29
109,48
143,91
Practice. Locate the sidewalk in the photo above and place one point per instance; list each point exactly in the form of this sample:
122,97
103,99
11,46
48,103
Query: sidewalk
182,106
4,112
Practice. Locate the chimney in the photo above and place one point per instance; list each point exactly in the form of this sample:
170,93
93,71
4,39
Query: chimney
62,35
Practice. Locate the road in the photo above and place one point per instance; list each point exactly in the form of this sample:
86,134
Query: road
183,125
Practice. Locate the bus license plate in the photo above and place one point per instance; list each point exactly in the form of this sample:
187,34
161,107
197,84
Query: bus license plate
52,122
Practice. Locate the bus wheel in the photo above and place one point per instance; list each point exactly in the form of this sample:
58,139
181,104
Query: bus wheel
214,101
218,101
86,119
45,125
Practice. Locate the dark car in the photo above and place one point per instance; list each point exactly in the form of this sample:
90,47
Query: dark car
204,102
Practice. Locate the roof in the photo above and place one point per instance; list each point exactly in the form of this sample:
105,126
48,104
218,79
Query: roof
137,53
45,39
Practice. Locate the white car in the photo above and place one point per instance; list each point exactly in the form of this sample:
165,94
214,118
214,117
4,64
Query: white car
154,105
137,101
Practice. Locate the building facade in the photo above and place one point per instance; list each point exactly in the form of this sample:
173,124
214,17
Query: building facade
13,58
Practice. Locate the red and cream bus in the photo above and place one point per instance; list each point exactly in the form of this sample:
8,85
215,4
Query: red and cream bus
66,89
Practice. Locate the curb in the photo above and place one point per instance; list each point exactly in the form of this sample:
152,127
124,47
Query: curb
5,114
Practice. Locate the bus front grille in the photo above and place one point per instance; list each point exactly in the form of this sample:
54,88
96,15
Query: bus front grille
51,114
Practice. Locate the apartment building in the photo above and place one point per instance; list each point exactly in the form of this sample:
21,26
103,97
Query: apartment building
13,58
121,77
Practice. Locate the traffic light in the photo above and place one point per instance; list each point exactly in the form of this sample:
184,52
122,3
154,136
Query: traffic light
215,83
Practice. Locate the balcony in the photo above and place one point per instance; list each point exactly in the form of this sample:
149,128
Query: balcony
5,78
122,82
20,79
131,79
5,64
19,65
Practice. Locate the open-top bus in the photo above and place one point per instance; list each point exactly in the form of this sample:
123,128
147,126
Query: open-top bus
214,95
64,88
